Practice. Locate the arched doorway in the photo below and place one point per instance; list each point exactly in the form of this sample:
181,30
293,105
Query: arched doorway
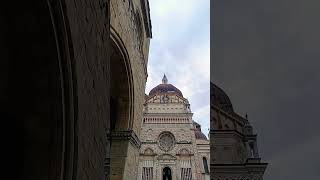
34,92
166,173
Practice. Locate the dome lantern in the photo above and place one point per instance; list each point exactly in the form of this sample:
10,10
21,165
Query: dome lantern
164,79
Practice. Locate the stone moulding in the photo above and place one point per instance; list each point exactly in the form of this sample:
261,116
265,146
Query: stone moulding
125,136
166,157
178,154
142,154
184,142
149,142
146,17
69,150
148,152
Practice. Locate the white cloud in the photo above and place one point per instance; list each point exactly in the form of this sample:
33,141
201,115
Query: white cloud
201,116
165,14
180,48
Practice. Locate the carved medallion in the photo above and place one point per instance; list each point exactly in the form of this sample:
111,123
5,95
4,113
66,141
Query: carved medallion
165,99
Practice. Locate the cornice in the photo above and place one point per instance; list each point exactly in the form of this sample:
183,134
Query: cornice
167,114
125,136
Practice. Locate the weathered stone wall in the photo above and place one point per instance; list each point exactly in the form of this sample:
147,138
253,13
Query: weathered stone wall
124,22
89,29
128,24
81,32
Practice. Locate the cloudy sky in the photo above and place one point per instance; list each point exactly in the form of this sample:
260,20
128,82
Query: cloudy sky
180,48
266,56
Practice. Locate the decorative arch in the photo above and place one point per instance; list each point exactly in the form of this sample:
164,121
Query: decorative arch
69,88
121,72
165,132
184,151
121,104
148,151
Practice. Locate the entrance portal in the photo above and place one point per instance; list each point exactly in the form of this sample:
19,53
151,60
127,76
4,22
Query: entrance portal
166,173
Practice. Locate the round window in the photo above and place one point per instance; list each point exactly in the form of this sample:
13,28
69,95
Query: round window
166,141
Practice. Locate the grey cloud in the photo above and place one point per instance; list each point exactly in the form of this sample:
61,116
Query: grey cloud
266,56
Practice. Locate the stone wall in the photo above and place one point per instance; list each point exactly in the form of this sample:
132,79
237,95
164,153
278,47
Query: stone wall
62,50
128,23
89,29
123,20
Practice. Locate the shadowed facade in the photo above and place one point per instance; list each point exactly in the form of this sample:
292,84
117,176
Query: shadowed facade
233,145
73,75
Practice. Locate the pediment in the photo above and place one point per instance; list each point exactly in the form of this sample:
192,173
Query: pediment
148,151
184,152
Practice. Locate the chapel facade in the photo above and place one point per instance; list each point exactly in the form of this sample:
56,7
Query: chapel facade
172,144
233,144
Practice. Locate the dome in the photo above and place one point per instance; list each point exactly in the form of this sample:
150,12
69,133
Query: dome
165,88
198,133
220,98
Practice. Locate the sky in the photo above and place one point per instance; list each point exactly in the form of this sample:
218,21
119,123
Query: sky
265,55
180,48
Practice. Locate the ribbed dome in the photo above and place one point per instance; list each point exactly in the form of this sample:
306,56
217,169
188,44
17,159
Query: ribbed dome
198,133
220,98
165,88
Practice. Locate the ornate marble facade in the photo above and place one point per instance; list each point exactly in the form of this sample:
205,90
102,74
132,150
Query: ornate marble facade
172,144
234,149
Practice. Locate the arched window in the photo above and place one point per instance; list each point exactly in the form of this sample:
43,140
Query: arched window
205,165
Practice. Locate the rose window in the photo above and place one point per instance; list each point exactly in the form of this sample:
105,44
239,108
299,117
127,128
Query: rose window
166,141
